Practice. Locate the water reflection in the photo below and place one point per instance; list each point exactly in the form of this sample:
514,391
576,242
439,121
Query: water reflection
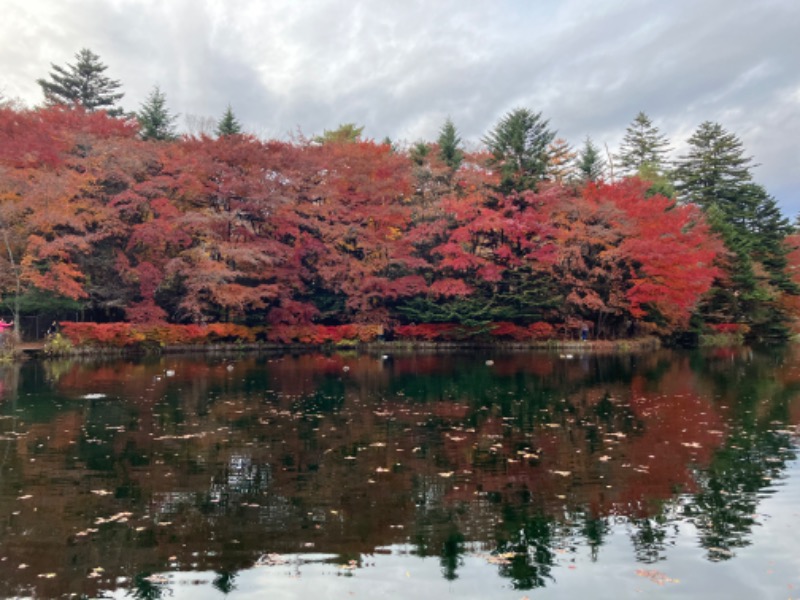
113,473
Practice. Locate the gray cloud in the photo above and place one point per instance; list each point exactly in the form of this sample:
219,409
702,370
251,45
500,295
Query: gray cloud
400,68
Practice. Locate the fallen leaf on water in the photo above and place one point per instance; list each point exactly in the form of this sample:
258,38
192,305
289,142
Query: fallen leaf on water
102,492
562,473
271,559
655,576
446,474
25,497
46,575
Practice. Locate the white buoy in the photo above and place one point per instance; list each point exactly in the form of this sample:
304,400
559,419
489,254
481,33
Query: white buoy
229,367
345,368
169,373
385,357
489,363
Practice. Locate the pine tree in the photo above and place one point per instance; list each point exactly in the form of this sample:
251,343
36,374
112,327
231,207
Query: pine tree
229,124
589,164
155,121
450,145
83,84
715,174
714,168
642,146
519,144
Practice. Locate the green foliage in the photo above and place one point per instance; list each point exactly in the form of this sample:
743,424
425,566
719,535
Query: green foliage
643,145
659,182
83,84
714,169
519,145
419,152
155,121
36,301
450,145
345,133
589,163
57,345
519,298
715,174
228,124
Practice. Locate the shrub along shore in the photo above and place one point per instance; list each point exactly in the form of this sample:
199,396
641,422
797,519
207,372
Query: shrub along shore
126,338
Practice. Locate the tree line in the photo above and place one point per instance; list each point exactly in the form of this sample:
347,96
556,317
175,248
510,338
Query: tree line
117,217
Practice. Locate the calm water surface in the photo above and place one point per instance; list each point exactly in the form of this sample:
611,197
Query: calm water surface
419,476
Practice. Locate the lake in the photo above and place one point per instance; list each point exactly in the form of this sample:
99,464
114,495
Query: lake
464,475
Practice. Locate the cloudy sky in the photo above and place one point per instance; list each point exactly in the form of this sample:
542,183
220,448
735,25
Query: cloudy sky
401,67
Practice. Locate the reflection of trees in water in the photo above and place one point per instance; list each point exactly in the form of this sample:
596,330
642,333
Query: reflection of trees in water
147,586
760,402
532,539
513,460
650,538
724,510
225,581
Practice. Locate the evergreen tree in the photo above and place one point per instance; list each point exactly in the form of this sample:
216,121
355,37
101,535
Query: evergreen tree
519,144
714,169
715,174
155,121
642,146
450,145
229,124
419,152
83,84
589,164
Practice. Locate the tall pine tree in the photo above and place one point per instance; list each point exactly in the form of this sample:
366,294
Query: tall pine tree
715,174
83,84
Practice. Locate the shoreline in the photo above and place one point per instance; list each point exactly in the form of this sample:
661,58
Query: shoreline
28,351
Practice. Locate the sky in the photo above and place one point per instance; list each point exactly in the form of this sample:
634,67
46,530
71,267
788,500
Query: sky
401,67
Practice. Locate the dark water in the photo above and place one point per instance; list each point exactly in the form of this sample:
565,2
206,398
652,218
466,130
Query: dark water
421,476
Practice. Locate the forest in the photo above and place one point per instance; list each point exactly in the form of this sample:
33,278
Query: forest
113,218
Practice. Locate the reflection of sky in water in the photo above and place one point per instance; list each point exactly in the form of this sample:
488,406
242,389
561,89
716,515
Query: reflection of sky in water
767,569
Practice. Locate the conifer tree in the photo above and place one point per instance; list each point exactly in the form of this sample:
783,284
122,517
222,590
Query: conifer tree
642,146
83,84
229,124
520,144
589,163
155,121
715,174
714,169
450,145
